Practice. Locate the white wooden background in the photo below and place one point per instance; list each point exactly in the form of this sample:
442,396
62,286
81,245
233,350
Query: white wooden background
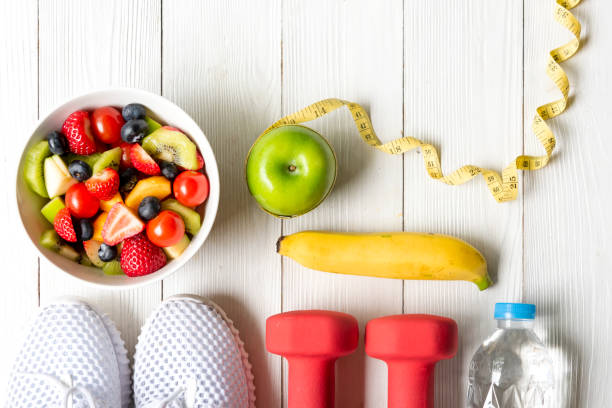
466,76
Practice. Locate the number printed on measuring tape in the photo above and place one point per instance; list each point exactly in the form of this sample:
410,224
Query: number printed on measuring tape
504,186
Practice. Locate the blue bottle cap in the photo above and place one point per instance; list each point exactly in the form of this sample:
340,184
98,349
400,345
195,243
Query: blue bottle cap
517,311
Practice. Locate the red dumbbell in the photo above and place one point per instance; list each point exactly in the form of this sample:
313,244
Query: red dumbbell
411,345
311,341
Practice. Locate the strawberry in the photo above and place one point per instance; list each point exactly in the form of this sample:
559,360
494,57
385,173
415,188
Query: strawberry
104,184
77,129
142,161
125,155
200,160
140,257
63,225
121,223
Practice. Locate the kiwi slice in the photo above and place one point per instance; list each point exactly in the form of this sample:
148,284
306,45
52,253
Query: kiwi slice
69,252
52,208
172,145
33,167
85,261
190,217
153,125
112,268
109,158
50,240
90,160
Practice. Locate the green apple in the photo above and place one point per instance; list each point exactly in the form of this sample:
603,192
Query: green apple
290,170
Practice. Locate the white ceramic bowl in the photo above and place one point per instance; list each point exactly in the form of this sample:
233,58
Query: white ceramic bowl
161,109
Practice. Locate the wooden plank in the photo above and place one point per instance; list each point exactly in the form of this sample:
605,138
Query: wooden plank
463,93
351,50
567,215
85,45
222,65
18,113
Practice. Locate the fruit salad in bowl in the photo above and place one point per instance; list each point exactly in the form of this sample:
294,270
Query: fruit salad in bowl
118,188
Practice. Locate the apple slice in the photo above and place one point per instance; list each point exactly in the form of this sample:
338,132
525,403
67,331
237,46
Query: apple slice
50,240
50,210
176,250
91,250
57,177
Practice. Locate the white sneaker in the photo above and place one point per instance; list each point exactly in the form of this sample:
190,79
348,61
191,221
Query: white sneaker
189,355
72,357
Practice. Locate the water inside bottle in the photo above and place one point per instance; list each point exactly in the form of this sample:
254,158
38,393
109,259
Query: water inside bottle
511,369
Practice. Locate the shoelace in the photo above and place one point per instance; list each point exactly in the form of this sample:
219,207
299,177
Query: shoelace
67,389
188,392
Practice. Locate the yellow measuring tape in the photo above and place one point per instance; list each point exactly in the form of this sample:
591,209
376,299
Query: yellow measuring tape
504,187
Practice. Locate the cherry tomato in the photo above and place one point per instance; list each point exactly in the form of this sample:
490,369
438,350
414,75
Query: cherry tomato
125,155
191,188
166,229
107,122
80,202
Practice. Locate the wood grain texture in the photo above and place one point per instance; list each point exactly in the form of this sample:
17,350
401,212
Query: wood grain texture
222,65
91,45
461,75
463,93
567,212
351,50
18,113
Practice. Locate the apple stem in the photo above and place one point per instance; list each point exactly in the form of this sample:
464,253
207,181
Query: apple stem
292,167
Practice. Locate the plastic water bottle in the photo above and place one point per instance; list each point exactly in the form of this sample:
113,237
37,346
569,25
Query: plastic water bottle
512,368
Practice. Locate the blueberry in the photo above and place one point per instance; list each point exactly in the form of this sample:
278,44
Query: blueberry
128,179
169,170
83,229
133,131
107,253
149,208
79,170
58,144
133,111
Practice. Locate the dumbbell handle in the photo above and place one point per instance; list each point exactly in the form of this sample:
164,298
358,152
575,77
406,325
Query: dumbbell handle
411,384
311,382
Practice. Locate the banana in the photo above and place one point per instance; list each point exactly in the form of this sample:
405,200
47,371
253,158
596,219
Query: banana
397,255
